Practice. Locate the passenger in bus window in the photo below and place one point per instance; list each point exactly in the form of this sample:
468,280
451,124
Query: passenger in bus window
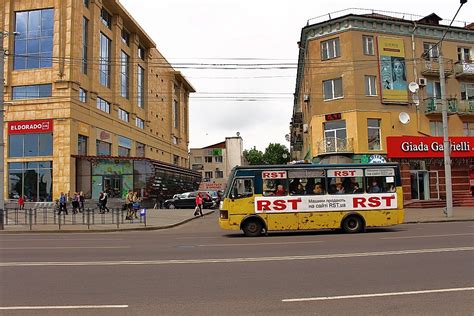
356,189
299,190
280,191
340,189
374,188
318,189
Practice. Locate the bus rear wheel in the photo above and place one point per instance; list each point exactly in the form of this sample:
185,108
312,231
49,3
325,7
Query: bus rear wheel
353,224
252,228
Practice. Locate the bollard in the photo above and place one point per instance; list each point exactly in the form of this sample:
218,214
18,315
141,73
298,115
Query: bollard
88,218
117,212
30,218
2,220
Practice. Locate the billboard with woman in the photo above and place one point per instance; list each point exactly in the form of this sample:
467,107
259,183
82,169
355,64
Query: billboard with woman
393,70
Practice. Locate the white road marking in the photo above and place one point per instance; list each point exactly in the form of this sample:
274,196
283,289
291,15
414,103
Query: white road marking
262,244
428,236
232,260
327,298
61,307
71,247
63,239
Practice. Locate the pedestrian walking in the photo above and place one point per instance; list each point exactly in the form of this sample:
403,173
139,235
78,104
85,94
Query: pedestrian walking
136,204
62,203
198,209
75,203
21,203
103,202
82,199
129,204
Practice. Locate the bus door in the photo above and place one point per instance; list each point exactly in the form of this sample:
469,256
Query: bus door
275,188
241,196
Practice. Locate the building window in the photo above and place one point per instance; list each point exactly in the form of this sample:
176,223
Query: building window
103,148
82,95
218,159
175,114
123,115
430,51
30,145
332,89
208,159
123,151
124,74
139,149
34,42
219,174
33,180
125,37
374,134
433,89
468,128
208,174
370,85
86,3
85,38
106,18
82,145
335,136
140,123
32,92
140,87
467,91
104,60
175,140
436,128
330,49
198,159
175,160
368,42
103,105
141,52
464,54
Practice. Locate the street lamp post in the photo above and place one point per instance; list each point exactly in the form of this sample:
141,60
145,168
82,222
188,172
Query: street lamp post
2,144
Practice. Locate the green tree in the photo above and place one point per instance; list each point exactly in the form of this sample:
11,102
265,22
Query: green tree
276,154
253,156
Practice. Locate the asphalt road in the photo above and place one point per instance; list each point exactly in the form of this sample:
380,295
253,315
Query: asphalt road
196,269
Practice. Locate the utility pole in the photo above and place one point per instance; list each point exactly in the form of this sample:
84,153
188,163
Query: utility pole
446,144
2,144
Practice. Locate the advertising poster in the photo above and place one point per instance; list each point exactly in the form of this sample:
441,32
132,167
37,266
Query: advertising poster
393,70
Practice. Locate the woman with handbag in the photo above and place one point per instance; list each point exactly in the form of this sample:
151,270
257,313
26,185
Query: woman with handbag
198,209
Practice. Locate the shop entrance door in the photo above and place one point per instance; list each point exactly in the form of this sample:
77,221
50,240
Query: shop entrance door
112,186
420,185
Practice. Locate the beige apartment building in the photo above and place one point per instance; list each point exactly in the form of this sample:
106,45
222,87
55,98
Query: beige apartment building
91,104
215,162
353,102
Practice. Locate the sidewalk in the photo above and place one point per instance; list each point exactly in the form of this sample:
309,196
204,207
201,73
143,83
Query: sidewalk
164,218
156,219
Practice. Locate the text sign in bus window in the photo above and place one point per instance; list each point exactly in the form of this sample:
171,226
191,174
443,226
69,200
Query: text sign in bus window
343,173
385,172
295,204
274,175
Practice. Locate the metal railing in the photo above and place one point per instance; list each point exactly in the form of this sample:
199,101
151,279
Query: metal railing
88,217
331,145
431,67
433,105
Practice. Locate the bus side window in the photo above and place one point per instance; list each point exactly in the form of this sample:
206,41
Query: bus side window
376,185
273,187
298,186
242,188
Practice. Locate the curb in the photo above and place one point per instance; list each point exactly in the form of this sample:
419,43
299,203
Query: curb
112,230
440,221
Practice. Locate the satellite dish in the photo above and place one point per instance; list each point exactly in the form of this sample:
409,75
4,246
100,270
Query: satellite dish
404,118
238,134
413,87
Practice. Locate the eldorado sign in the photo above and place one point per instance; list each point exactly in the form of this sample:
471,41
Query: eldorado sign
30,127
428,147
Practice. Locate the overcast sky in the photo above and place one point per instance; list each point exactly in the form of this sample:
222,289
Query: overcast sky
257,103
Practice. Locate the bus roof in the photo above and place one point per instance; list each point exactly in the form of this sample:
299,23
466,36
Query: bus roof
306,166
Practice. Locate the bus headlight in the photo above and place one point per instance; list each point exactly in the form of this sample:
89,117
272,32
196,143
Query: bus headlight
220,204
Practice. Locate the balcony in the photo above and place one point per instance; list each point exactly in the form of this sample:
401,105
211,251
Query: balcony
461,107
464,70
333,145
431,67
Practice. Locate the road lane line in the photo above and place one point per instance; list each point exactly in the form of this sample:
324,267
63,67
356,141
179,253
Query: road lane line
43,248
232,260
62,239
428,236
262,244
61,307
327,298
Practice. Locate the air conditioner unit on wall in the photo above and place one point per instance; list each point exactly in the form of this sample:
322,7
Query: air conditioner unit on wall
305,128
422,82
306,98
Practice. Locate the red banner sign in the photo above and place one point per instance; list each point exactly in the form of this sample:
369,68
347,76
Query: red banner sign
428,147
30,127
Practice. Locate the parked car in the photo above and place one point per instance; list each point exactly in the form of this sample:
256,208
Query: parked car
188,200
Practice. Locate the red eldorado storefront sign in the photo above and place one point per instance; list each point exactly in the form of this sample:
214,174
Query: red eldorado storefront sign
30,127
428,147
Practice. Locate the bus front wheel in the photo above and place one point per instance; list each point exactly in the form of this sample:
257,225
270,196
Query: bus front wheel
353,224
252,228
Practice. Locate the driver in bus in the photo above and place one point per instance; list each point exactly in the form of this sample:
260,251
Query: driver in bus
280,191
